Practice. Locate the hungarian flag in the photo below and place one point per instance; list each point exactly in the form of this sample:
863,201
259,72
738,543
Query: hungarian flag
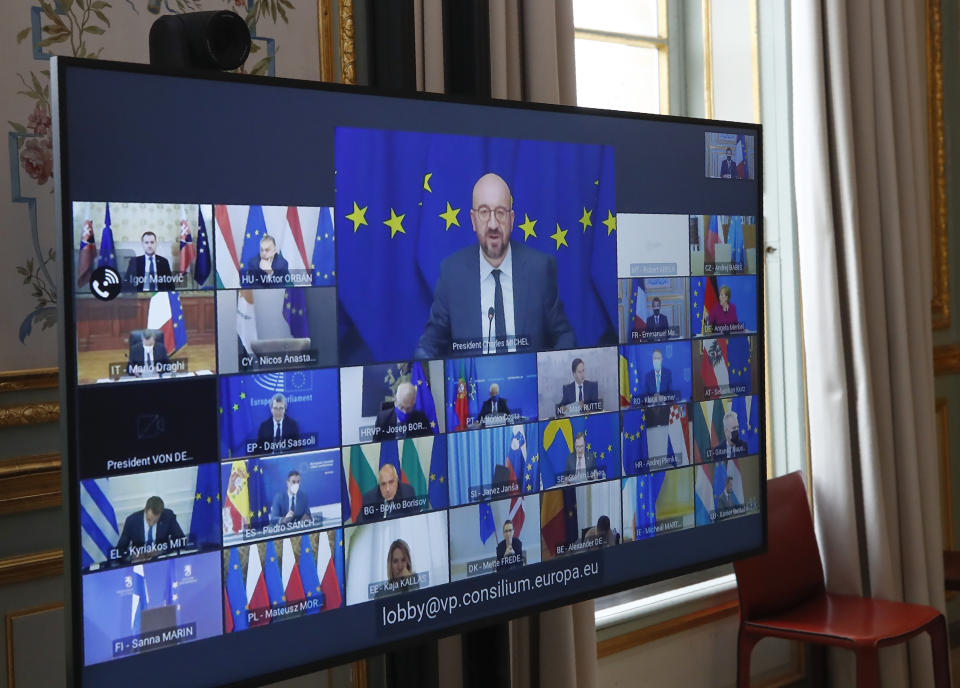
188,252
257,599
87,254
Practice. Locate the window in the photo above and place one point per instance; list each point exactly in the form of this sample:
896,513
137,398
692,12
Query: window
622,55
722,59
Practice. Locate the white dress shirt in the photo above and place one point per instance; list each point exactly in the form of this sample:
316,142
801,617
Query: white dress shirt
148,359
488,286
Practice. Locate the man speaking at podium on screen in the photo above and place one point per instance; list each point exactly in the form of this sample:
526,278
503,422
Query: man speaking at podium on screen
499,297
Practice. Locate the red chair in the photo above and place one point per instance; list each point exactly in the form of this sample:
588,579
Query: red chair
782,595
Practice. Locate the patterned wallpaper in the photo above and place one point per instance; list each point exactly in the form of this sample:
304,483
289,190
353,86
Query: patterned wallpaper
285,44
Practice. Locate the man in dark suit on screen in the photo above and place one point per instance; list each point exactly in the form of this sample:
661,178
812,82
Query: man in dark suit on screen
496,405
149,272
509,550
658,381
292,504
148,355
153,530
581,462
279,426
658,327
499,290
268,268
581,390
732,445
387,499
728,168
402,420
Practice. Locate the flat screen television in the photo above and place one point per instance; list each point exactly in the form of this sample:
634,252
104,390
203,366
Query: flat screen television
344,370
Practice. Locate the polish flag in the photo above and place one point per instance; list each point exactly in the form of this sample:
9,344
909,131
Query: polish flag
327,570
257,599
290,575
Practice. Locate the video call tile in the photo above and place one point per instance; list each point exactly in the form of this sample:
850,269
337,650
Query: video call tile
264,247
504,526
151,606
261,330
655,374
577,382
655,504
581,449
653,309
727,489
544,206
656,438
394,479
151,247
163,335
283,579
146,426
280,495
392,401
580,519
725,428
723,245
278,412
396,557
493,463
652,245
724,367
137,518
723,305
491,391
729,156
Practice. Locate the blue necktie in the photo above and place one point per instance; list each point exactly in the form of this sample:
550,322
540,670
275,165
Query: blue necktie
150,535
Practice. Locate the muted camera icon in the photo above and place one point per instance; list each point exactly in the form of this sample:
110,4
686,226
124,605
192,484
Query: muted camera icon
150,426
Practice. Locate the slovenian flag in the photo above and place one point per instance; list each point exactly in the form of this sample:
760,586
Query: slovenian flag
165,314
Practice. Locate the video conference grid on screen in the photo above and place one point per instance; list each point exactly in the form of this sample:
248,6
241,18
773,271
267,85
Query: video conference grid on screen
524,404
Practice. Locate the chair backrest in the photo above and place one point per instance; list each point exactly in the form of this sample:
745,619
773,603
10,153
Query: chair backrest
790,571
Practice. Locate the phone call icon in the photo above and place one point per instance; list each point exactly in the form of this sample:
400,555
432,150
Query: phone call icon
105,283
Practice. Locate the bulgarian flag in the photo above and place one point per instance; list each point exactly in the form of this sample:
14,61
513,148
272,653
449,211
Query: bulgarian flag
362,479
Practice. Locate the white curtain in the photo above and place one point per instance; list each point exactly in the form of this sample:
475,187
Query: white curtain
863,214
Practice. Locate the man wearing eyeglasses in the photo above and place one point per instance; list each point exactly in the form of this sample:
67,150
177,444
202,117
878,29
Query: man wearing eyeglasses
498,297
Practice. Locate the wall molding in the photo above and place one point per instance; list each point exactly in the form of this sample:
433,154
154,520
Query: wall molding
28,483
22,380
946,359
34,413
641,636
348,69
8,625
21,568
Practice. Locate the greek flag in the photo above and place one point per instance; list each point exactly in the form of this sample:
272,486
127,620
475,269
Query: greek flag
98,521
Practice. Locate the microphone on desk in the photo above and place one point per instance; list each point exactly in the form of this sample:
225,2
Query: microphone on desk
491,312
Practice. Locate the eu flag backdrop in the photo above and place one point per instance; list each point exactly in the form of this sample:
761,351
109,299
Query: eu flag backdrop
403,204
